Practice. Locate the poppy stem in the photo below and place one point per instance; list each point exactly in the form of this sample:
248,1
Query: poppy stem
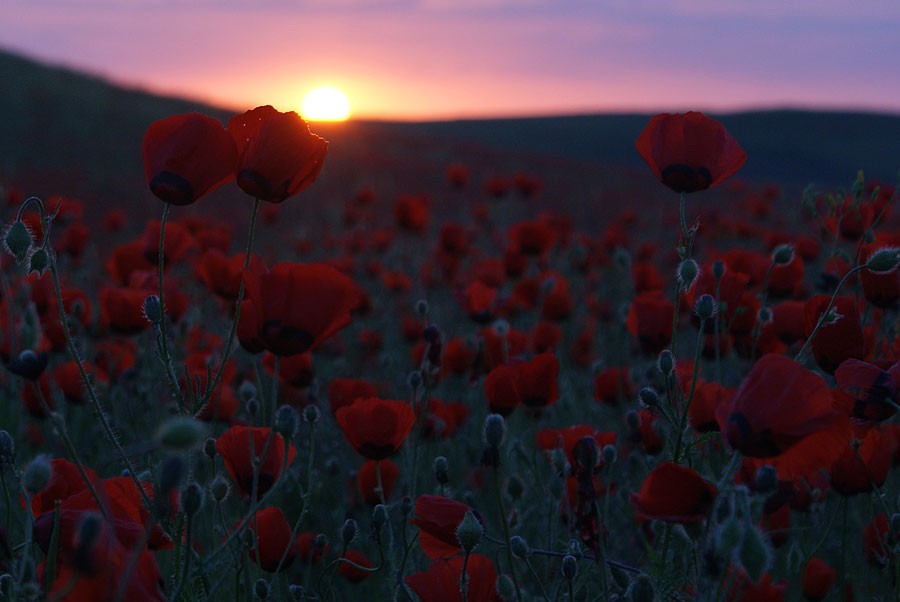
506,536
687,404
464,579
538,579
237,314
684,230
187,555
162,337
799,356
307,494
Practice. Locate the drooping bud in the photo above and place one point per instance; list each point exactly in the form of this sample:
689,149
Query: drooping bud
649,397
28,364
37,474
246,391
764,315
505,587
569,567
38,262
519,547
665,362
884,260
705,308
252,407
18,240
470,532
153,310
633,420
192,499
414,380
85,535
297,592
209,448
219,489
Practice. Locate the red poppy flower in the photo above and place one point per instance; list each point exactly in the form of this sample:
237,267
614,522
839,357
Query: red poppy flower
376,427
479,301
549,439
613,385
743,589
537,381
501,391
877,541
68,378
126,259
646,434
534,237
650,320
122,308
839,339
65,481
305,548
411,212
179,241
344,391
222,275
186,156
817,579
441,582
367,480
292,308
689,151
234,447
707,398
350,572
279,156
882,289
864,464
273,536
871,387
674,494
438,518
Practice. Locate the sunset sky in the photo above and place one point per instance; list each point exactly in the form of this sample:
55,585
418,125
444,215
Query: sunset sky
431,59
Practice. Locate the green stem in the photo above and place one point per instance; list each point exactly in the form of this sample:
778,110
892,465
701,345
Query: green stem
187,560
821,321
687,406
162,337
506,536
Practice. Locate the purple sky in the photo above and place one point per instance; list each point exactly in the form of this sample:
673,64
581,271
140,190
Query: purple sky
415,59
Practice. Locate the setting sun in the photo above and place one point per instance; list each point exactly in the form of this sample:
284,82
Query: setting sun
325,104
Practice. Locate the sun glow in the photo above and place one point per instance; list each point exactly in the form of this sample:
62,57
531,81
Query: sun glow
325,104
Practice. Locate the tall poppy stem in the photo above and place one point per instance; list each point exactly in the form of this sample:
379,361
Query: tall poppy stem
506,536
825,313
687,405
162,337
237,314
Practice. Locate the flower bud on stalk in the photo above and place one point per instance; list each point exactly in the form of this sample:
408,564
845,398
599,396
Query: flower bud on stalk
18,240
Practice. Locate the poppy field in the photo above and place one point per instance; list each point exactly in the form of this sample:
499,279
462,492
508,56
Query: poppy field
463,389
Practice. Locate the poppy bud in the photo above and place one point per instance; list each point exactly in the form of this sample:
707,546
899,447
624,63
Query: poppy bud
586,454
297,592
311,413
192,499
246,391
649,397
7,447
379,515
569,567
895,522
622,258
506,588
37,474
764,315
18,240
209,448
729,536
86,534
783,254
286,421
432,334
608,454
38,262
171,472
705,307
642,590
766,478
406,506
687,273
501,327
5,581
665,362
556,486
252,407
29,364
153,310
414,379
470,532
348,531
515,487
633,420
620,577
180,432
219,489
519,547
422,308
755,554
718,269
321,541
884,260
261,589
494,430
440,470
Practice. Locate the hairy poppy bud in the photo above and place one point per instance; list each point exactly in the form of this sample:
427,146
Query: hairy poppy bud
705,308
85,535
209,448
494,430
515,487
665,362
569,567
440,470
261,589
556,486
422,308
519,547
253,407
766,478
38,262
729,536
171,472
414,379
7,447
755,553
180,432
884,260
321,541
501,327
286,421
192,499
5,582
687,273
246,391
764,315
718,269
379,515
608,454
311,413
153,310
406,506
219,489
642,590
37,474
633,420
432,334
586,454
29,364
348,531
621,578
506,588
297,592
649,397
18,240
470,532
783,254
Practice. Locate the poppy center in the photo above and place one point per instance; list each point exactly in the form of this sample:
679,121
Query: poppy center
172,188
684,178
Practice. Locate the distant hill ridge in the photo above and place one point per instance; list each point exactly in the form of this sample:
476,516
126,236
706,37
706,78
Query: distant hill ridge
59,124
